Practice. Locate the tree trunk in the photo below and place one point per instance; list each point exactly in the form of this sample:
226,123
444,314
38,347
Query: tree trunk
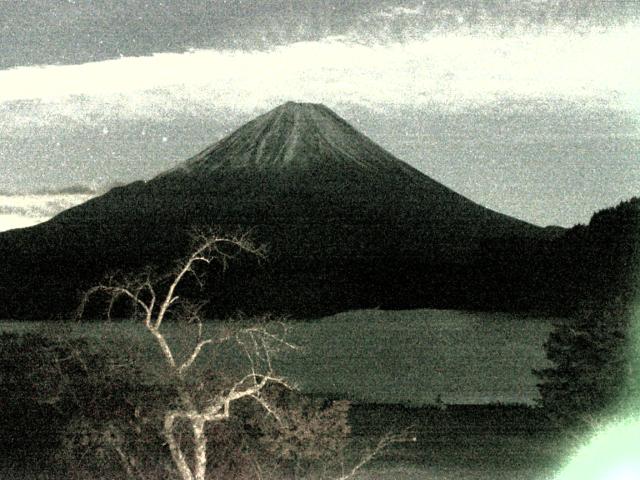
200,452
176,452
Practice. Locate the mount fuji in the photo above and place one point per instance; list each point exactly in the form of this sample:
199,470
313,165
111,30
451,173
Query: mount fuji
347,225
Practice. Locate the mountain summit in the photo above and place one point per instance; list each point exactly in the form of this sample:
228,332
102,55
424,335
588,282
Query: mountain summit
295,135
347,225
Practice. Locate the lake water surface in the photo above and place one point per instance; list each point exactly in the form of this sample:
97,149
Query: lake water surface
410,357
415,356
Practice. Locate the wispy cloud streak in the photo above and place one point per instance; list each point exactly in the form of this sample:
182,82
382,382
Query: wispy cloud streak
453,69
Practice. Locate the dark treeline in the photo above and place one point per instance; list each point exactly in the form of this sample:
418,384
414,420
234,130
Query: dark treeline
579,269
556,273
594,354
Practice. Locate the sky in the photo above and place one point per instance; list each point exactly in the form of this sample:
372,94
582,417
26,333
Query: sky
531,108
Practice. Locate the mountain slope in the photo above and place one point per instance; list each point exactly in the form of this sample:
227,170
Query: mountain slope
347,225
296,136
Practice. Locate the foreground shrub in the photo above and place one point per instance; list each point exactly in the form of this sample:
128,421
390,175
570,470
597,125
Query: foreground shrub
34,412
63,397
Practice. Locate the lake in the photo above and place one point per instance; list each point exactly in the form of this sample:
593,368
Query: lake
411,357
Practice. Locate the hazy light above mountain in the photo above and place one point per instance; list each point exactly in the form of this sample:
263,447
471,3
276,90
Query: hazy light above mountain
457,90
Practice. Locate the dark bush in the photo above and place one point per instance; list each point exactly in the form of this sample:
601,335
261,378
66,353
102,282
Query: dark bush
34,410
63,397
88,407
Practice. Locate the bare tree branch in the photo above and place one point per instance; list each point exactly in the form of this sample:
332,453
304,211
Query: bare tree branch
383,443
194,355
142,291
259,342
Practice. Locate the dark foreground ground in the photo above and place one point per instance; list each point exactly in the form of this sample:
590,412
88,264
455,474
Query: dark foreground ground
492,442
463,442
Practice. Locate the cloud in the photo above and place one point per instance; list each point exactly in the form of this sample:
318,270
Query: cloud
448,68
69,191
12,221
19,211
395,12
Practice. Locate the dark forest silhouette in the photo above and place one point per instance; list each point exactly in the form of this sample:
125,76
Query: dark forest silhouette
347,225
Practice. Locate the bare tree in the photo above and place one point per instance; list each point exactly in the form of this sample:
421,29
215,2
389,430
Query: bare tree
155,298
258,342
